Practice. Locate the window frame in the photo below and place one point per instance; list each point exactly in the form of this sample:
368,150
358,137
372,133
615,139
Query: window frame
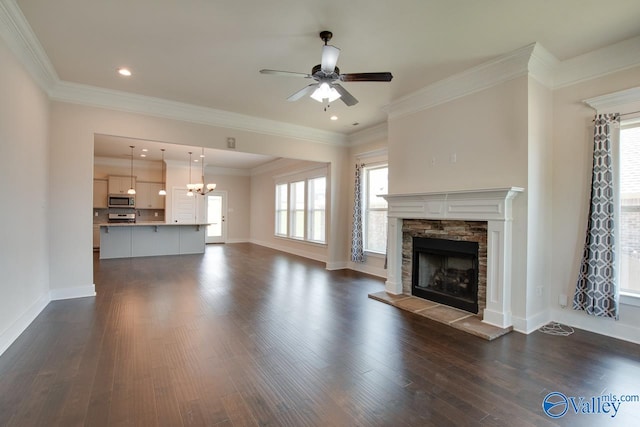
289,180
366,209
627,296
278,210
311,210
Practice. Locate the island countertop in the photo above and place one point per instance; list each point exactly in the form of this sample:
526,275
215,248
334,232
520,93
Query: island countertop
144,223
150,238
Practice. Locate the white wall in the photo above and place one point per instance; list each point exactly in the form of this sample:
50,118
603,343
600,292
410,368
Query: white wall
539,200
24,173
488,133
572,162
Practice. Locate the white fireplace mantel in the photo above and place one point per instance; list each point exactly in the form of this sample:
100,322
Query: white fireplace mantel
492,205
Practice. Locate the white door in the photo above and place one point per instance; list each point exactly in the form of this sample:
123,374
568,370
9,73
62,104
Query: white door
216,217
183,207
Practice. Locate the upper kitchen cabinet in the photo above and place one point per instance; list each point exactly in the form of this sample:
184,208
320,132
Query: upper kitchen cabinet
100,190
147,195
120,184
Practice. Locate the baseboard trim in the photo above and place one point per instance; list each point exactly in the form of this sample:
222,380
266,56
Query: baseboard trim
69,293
237,241
292,251
367,269
18,327
530,324
336,265
597,325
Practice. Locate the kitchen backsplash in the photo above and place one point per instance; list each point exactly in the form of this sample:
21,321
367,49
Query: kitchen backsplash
101,216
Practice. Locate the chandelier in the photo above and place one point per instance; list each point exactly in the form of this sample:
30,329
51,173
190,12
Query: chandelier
200,187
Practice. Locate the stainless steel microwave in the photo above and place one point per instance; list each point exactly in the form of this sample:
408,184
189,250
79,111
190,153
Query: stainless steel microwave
120,201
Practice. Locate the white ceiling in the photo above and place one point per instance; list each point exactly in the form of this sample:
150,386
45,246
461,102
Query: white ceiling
118,147
208,53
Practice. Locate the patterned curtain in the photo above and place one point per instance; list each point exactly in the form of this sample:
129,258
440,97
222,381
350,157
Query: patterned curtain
357,245
597,290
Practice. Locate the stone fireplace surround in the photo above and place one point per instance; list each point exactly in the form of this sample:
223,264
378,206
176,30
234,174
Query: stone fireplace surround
490,205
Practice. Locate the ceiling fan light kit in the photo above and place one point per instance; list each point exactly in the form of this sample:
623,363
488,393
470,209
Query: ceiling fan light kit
326,74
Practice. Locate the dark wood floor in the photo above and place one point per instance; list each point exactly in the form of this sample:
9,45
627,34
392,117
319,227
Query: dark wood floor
245,335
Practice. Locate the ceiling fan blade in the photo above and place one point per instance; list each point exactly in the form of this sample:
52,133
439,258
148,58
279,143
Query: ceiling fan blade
366,77
346,97
330,56
302,92
286,73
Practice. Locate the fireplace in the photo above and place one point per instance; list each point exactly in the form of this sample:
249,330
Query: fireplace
492,207
446,271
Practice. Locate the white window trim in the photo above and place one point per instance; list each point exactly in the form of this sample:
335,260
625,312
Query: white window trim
626,298
623,102
302,176
365,190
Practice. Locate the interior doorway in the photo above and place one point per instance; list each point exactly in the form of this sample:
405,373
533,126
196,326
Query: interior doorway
216,205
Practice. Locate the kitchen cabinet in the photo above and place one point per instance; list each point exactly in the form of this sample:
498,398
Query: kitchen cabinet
147,195
119,184
100,190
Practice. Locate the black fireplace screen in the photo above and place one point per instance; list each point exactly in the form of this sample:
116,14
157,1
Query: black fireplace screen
446,271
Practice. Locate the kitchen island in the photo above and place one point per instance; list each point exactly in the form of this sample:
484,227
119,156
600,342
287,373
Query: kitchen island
127,240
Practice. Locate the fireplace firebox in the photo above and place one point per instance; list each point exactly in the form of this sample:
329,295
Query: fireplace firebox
446,271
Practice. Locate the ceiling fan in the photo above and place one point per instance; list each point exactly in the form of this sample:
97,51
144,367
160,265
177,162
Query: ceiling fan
326,74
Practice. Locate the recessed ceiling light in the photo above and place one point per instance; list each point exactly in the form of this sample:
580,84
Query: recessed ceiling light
143,155
195,160
334,118
145,150
124,72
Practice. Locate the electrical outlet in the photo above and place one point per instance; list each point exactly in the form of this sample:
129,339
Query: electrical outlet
95,214
155,214
563,300
231,142
453,158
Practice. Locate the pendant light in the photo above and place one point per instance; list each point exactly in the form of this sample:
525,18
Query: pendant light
162,191
190,186
200,187
131,190
211,186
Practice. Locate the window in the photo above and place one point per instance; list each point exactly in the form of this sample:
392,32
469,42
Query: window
297,210
301,207
374,218
628,241
281,209
316,212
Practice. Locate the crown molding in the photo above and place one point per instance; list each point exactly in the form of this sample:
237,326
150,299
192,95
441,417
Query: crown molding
502,69
19,36
139,163
542,65
624,101
132,103
598,63
374,133
275,165
220,171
